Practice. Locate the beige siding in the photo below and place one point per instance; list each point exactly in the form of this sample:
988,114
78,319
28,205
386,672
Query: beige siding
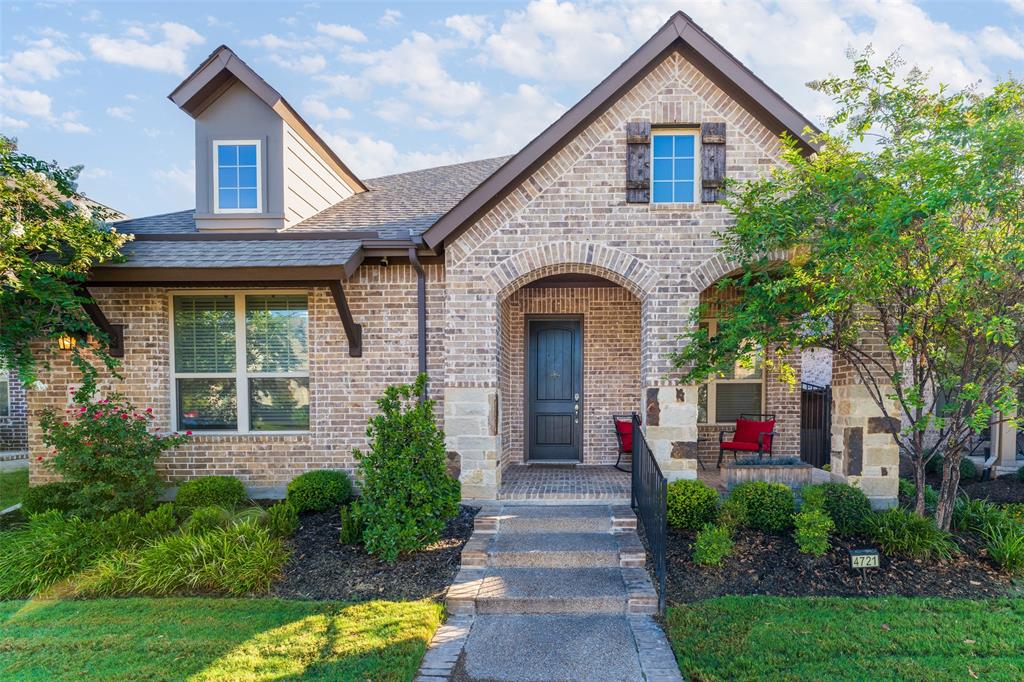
310,184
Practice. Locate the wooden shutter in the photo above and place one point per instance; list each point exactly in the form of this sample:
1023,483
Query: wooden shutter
712,162
638,162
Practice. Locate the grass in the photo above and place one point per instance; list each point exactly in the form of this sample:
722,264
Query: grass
13,485
213,639
778,638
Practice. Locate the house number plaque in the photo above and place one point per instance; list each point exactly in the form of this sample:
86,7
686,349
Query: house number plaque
864,558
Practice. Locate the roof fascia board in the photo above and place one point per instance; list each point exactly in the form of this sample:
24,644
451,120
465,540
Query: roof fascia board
135,276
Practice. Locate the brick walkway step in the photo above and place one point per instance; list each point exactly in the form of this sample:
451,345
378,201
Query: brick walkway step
553,550
543,590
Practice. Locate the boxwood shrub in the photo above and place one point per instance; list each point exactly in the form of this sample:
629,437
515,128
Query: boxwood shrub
319,490
210,491
847,506
767,506
691,504
812,528
712,545
40,498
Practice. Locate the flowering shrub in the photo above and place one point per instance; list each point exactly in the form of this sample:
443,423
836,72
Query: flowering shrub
107,451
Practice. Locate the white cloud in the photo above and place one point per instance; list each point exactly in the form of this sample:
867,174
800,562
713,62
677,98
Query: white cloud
308,64
94,173
341,32
182,180
1016,5
41,60
341,84
92,16
74,127
8,122
318,109
29,102
269,41
123,113
470,26
169,55
371,157
389,18
995,41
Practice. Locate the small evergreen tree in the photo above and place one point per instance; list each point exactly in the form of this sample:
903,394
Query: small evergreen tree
407,496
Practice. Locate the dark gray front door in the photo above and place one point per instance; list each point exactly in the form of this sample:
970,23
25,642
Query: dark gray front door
554,389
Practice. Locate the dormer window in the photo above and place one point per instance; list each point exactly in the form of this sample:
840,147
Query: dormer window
237,185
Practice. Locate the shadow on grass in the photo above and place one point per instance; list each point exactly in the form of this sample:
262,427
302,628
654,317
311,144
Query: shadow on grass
213,639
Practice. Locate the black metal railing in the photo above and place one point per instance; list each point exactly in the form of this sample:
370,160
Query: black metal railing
648,501
815,424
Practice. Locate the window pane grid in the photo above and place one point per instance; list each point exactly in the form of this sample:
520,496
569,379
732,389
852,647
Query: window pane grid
237,176
722,400
673,168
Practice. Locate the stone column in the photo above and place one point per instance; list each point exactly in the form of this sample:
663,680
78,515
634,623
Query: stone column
670,426
471,435
1006,448
864,453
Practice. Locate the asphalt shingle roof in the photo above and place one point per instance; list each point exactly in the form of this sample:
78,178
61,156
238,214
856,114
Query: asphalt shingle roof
241,253
164,223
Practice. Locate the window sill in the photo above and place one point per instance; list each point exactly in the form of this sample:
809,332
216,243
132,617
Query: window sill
673,206
245,434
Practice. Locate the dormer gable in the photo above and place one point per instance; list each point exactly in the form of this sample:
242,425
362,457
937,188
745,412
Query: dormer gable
259,165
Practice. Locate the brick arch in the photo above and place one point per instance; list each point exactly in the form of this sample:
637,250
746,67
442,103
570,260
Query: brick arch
718,266
545,260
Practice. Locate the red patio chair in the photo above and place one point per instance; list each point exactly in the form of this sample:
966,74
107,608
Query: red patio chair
752,433
624,434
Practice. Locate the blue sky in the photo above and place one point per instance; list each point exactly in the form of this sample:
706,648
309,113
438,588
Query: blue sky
395,86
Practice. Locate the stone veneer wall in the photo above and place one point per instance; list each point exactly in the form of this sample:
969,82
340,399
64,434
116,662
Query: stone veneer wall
343,390
611,363
14,426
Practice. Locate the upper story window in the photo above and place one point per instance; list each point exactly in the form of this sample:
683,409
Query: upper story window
674,166
237,186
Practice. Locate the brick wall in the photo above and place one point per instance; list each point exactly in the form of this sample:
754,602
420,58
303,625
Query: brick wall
14,427
611,363
343,389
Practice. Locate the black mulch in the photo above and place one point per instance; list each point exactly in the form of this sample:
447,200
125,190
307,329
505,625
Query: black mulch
321,567
1006,488
768,564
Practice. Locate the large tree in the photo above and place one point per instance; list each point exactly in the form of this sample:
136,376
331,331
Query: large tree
904,255
50,236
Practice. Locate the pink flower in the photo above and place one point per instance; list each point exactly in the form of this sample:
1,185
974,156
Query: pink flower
81,409
39,458
149,410
124,415
67,423
188,433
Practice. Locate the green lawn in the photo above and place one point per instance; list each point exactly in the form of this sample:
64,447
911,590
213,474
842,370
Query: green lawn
777,638
12,487
213,639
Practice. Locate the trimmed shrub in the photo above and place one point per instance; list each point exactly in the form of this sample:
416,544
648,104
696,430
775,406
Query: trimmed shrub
847,506
768,506
902,532
351,525
712,545
691,504
407,497
40,498
1004,542
205,519
968,470
282,520
811,531
105,448
319,490
210,491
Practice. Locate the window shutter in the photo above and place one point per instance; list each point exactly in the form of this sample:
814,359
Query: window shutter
712,162
638,162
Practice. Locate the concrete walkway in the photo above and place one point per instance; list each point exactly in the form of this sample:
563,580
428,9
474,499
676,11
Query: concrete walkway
551,593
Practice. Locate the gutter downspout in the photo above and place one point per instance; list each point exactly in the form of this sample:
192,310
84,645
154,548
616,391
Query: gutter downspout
421,308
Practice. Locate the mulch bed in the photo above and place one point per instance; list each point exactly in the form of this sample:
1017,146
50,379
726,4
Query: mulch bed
1007,488
767,564
320,567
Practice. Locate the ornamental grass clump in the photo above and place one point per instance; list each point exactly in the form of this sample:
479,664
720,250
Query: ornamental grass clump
902,532
406,496
106,451
691,504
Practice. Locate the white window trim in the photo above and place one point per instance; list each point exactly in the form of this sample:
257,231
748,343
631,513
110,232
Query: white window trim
5,379
712,408
217,144
241,375
668,132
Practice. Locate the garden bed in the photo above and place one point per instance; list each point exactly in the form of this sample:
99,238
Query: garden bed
1005,489
322,568
767,564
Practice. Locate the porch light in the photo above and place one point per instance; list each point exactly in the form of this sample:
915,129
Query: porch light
66,342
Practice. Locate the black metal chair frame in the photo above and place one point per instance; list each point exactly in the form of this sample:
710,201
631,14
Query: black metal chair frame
760,438
618,437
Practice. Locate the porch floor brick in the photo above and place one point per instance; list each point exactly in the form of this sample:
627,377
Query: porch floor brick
564,484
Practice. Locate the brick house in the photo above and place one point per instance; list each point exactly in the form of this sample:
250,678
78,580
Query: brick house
13,413
541,292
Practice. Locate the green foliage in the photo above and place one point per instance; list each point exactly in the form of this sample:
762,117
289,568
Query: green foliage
351,525
847,506
282,519
319,490
691,504
902,532
976,515
968,470
106,451
1004,541
909,491
767,506
732,514
210,491
203,519
50,237
1015,510
241,558
812,528
916,241
712,545
406,496
1020,474
40,498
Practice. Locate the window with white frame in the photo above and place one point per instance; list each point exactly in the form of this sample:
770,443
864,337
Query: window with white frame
237,181
241,361
674,166
5,394
739,391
